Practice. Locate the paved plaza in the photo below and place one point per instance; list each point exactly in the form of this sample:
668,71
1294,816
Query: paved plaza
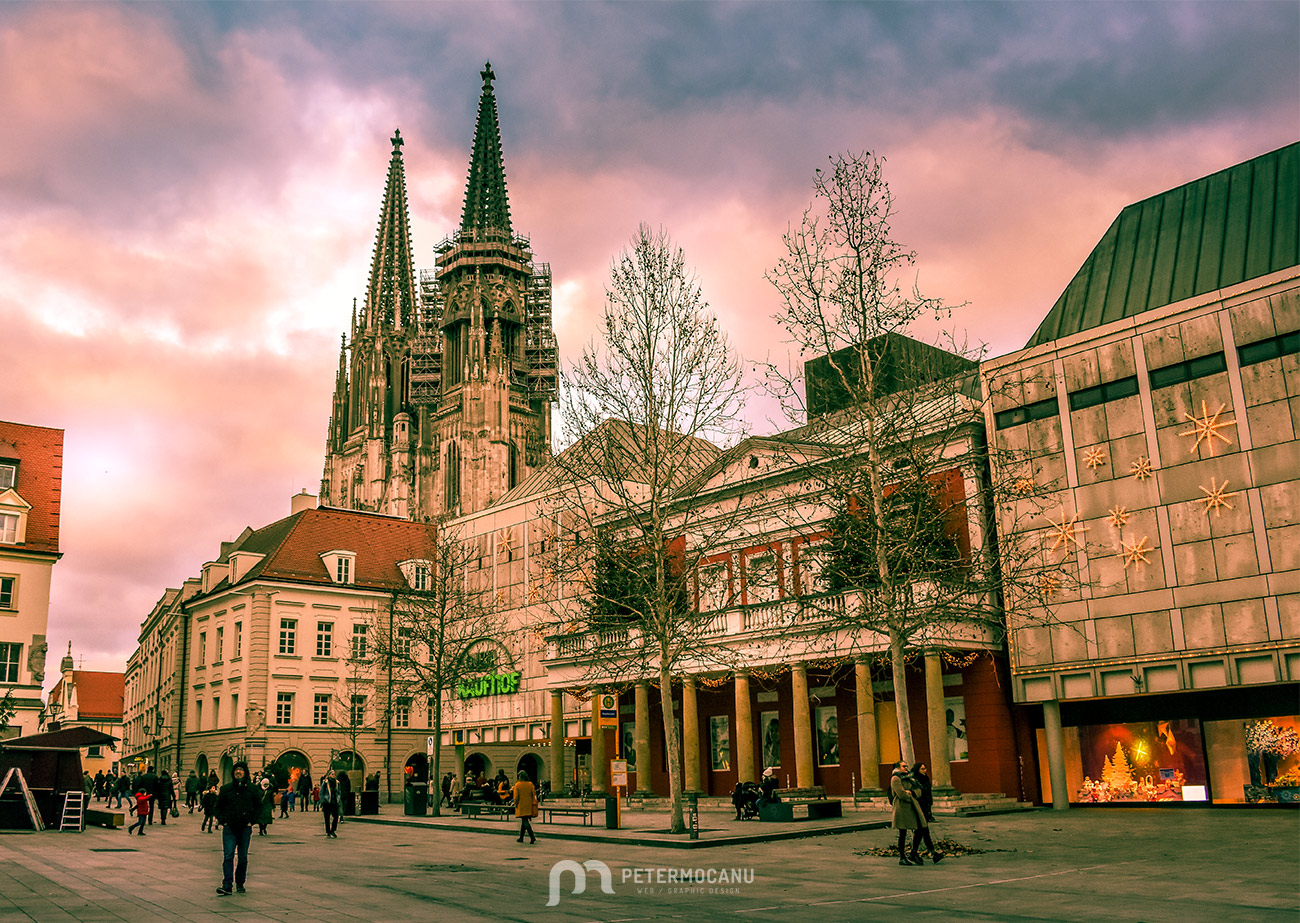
1090,864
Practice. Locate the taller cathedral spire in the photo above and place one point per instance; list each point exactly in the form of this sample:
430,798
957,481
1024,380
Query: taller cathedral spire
486,206
390,297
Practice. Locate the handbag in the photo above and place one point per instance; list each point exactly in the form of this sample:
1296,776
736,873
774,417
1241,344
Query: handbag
175,811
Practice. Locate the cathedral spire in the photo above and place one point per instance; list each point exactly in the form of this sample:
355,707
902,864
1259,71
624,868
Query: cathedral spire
390,297
486,207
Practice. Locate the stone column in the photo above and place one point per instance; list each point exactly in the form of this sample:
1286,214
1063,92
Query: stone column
690,736
557,741
868,738
598,764
1055,754
460,763
641,737
803,742
937,722
744,755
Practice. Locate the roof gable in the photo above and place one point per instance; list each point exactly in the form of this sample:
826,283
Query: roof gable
39,453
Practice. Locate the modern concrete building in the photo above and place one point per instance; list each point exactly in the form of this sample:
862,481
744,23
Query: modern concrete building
31,484
1158,408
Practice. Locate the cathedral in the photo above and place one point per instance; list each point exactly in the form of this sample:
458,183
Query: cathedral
442,401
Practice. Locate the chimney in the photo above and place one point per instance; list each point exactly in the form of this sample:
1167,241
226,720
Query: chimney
301,501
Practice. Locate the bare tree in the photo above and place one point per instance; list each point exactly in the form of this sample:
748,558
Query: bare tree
904,478
441,634
352,712
645,409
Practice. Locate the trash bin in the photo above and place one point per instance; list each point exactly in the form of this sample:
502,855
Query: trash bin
416,799
350,804
611,812
370,802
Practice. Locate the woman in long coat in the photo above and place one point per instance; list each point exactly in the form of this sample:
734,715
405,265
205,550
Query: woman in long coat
908,814
266,815
924,791
525,806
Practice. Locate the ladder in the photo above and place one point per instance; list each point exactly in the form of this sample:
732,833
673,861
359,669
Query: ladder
74,812
25,794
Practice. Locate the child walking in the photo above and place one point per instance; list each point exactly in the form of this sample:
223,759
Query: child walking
209,804
142,813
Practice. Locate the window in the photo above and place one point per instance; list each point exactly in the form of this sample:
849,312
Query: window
7,595
402,644
1103,393
358,710
284,708
288,635
402,713
238,641
216,712
9,528
762,578
421,576
1192,369
235,717
324,639
10,652
343,569
1286,344
202,653
429,712
320,709
221,634
360,649
1039,410
715,586
8,474
198,713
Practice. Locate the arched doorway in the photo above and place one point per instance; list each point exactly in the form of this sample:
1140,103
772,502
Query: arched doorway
353,764
289,768
417,765
201,767
477,764
227,768
532,764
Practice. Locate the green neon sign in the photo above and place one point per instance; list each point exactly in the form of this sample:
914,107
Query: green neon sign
492,684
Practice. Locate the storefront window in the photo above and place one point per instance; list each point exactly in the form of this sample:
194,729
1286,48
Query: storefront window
1148,761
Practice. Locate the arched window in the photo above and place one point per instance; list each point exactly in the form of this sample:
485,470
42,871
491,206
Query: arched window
451,477
512,467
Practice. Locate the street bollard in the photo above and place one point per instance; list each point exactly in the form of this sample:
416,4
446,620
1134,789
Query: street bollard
693,806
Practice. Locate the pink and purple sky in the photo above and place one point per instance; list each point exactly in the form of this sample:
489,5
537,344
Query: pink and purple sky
189,194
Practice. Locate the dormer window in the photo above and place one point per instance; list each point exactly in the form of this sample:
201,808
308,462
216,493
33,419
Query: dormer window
418,574
8,528
340,565
8,474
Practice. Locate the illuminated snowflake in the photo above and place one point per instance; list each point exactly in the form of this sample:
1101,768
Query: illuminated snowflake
1141,469
1065,533
1050,584
505,542
1206,428
1118,517
1025,486
1216,497
1094,457
1134,552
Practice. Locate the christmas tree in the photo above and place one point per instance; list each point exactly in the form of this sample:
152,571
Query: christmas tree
1118,774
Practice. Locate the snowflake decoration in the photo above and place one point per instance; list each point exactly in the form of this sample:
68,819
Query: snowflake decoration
1050,584
1094,457
1065,533
1206,428
505,542
1118,517
542,585
1141,469
1025,486
1216,497
1134,553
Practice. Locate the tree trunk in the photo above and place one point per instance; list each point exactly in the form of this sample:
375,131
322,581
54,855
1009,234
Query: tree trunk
898,666
677,824
435,771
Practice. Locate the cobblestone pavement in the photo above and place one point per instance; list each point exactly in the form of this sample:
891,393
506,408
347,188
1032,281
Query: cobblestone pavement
1148,865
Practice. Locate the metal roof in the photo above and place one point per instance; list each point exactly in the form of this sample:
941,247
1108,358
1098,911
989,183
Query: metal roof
1217,231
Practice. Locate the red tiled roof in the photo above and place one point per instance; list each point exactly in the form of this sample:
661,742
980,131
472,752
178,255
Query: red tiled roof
39,452
99,695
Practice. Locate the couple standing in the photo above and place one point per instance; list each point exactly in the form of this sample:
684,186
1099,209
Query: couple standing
912,798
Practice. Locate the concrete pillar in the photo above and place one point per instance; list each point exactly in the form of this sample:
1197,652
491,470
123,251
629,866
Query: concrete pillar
690,736
868,738
1055,754
803,742
744,730
641,737
557,741
937,722
460,763
599,766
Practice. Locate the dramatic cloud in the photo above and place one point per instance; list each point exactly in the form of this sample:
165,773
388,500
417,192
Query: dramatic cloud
189,196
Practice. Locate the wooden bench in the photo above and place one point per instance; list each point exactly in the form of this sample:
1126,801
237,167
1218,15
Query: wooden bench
474,809
587,814
799,795
100,817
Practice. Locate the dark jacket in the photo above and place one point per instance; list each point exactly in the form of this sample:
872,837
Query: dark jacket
164,789
923,789
238,804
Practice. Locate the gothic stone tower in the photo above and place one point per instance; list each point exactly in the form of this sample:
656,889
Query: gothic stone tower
446,403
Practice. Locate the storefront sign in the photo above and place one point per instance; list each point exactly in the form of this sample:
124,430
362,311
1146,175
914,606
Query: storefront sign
494,684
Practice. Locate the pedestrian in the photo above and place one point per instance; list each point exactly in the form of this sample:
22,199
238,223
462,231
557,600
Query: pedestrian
315,798
123,788
99,785
87,785
304,791
165,794
149,782
924,790
331,798
141,812
209,803
455,791
192,791
907,814
345,793
213,779
237,808
266,811
445,787
284,798
525,807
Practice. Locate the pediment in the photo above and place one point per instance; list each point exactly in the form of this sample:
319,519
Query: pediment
11,500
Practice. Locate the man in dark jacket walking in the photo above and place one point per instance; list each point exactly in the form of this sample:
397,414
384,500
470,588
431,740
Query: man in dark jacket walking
192,791
238,805
164,793
331,795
